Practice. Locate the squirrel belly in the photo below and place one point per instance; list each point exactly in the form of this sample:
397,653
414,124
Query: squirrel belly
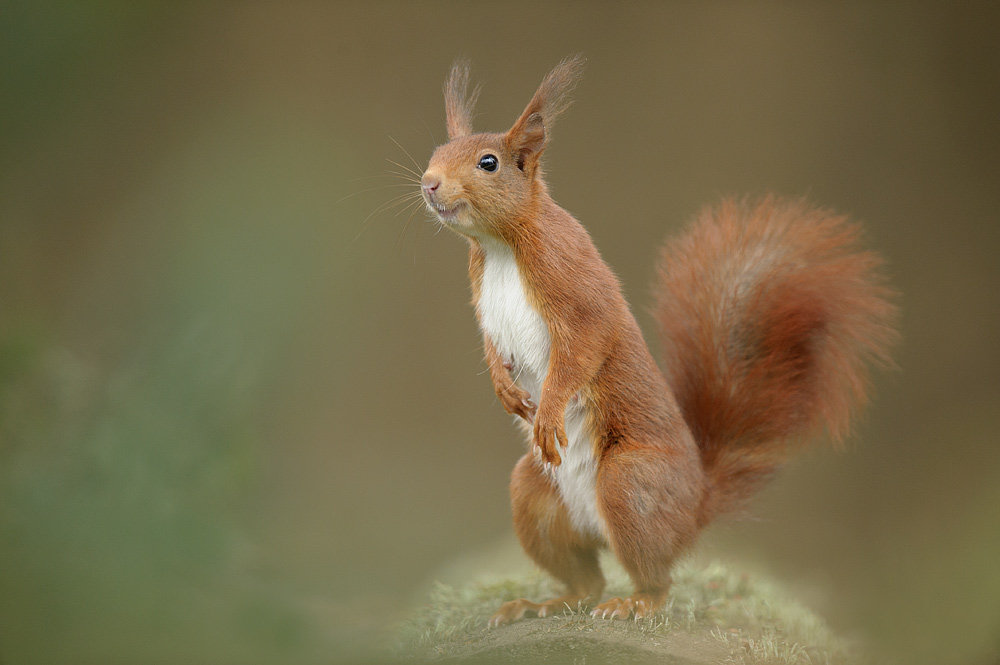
521,337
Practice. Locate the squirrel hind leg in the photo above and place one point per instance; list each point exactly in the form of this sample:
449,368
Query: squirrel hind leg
547,536
652,500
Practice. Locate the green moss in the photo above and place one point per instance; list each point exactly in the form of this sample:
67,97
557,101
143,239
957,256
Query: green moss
713,615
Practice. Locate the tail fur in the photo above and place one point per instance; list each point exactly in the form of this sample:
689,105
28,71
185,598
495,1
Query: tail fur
770,315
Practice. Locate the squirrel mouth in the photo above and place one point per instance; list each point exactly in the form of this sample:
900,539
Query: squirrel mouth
444,212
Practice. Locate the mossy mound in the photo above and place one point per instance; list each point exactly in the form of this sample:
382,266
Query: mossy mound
714,615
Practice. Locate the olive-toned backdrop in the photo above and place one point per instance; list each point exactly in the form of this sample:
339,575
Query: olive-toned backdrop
243,411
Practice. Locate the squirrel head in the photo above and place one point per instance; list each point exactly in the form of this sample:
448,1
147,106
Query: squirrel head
482,184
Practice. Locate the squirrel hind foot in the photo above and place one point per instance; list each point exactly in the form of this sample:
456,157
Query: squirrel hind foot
637,606
515,610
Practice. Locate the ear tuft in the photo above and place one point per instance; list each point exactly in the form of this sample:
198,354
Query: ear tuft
530,133
458,103
552,96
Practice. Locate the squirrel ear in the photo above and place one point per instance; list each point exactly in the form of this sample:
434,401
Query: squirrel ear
458,103
528,141
528,135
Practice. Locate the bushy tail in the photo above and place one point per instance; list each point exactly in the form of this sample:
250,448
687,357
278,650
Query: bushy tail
769,314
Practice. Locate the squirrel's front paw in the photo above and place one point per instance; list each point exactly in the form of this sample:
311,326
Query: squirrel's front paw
517,402
549,435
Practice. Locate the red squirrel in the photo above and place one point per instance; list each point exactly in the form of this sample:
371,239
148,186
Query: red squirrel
769,313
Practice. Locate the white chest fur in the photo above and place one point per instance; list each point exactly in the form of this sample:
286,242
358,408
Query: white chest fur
517,330
521,337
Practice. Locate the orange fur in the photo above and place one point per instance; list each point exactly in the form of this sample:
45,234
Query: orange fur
769,315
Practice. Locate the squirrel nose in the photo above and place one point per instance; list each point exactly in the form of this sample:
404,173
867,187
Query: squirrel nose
429,183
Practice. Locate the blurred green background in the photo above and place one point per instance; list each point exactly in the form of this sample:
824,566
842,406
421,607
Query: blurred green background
240,423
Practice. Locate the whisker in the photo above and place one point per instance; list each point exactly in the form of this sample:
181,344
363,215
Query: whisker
416,236
388,174
407,176
405,168
395,201
489,366
406,225
373,189
408,202
405,152
429,132
412,208
419,201
514,379
406,199
401,238
416,239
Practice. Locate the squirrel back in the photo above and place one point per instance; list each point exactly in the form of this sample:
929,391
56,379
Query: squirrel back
769,316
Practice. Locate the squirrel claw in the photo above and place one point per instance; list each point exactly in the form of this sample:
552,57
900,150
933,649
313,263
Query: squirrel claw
550,437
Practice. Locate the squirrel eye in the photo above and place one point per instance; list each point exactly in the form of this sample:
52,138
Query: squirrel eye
488,163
